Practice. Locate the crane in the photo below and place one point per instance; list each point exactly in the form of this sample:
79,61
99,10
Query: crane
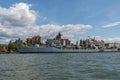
92,39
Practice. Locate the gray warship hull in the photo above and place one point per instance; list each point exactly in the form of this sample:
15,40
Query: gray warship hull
54,50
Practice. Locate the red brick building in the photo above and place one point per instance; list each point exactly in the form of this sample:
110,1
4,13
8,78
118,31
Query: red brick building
34,40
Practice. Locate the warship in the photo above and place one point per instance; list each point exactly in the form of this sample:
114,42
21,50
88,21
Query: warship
61,50
54,50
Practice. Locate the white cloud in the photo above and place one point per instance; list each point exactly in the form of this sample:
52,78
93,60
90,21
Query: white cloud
112,40
68,30
19,21
17,15
46,31
111,24
109,39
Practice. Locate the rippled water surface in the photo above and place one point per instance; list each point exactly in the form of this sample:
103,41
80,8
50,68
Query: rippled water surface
60,66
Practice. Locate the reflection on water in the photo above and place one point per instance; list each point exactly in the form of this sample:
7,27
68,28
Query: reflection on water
60,66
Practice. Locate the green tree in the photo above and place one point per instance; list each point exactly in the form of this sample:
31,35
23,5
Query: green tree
11,46
30,45
3,46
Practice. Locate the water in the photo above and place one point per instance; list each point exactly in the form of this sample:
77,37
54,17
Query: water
60,66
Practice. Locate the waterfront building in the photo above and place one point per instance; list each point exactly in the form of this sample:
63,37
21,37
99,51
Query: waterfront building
92,43
34,40
59,36
112,45
58,41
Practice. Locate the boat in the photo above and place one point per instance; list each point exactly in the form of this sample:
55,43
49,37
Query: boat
4,50
53,50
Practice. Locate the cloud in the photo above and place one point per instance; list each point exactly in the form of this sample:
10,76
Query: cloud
111,25
112,40
109,39
68,30
18,15
46,31
20,21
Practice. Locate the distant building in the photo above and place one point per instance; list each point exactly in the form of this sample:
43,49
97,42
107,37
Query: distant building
112,45
34,40
58,37
89,43
29,41
58,41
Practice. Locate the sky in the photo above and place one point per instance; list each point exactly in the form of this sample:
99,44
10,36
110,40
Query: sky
75,19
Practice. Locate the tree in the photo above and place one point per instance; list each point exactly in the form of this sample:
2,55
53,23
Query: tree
11,46
3,46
